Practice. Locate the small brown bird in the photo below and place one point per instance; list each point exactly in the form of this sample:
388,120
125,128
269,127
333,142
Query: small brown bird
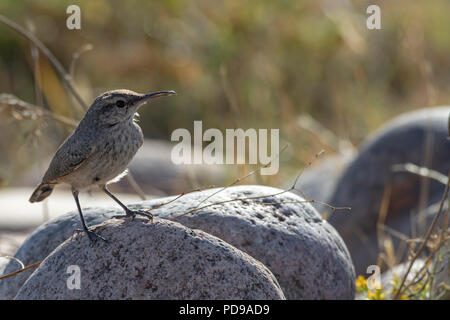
99,150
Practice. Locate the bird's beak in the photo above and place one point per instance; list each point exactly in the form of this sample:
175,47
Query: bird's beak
152,95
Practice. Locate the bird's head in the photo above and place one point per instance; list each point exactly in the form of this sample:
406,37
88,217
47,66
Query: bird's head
120,105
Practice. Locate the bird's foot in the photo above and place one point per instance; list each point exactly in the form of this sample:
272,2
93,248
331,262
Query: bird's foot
91,235
133,213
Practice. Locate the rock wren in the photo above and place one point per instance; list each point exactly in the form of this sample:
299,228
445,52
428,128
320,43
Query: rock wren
99,150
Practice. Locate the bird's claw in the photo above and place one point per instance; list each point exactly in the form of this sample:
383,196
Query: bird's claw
133,213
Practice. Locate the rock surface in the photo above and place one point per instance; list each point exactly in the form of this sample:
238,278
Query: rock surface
304,252
410,138
44,240
144,260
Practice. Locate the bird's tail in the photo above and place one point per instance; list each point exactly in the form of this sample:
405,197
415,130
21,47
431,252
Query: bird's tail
42,191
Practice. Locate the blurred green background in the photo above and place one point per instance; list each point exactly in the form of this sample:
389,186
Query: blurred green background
234,64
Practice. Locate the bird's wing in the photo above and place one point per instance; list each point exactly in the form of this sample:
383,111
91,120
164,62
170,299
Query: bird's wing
69,157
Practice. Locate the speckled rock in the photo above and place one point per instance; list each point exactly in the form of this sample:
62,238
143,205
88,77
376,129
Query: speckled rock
304,252
405,139
44,240
144,260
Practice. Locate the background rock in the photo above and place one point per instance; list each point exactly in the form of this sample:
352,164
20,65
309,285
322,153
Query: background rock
406,139
143,260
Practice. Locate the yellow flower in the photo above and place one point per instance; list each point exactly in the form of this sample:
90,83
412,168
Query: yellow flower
378,294
361,284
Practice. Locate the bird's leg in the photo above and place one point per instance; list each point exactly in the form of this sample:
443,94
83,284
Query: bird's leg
91,234
128,212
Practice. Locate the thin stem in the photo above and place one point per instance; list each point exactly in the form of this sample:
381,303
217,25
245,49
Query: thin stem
427,237
20,270
58,66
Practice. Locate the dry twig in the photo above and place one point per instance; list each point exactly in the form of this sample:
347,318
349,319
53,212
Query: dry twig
34,265
426,238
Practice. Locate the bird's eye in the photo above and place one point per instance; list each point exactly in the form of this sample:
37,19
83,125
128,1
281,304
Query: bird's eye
120,103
